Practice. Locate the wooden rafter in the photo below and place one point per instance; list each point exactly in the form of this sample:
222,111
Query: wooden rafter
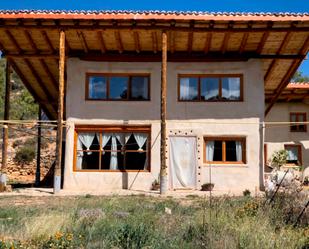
225,42
136,42
83,41
48,41
13,40
190,42
31,42
207,43
30,89
172,42
118,41
243,43
49,74
262,42
101,41
39,81
154,41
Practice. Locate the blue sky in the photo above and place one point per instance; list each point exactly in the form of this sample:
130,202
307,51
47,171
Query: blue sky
195,5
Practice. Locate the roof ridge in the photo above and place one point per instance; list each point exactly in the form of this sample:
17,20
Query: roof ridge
160,12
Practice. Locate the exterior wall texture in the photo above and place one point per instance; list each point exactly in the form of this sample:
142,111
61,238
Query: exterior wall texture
183,118
276,136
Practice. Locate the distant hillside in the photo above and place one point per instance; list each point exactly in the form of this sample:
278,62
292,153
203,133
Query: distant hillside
23,106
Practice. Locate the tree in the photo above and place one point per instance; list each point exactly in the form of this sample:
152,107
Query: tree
299,77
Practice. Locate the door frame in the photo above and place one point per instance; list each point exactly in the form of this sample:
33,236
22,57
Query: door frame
195,187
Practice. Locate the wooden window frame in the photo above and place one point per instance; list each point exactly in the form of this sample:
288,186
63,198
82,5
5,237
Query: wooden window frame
299,154
297,114
242,139
110,129
219,76
108,76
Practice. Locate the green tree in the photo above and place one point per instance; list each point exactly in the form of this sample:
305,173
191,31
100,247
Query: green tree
299,77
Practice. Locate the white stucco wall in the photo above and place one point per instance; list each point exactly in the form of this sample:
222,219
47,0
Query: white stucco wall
276,136
197,119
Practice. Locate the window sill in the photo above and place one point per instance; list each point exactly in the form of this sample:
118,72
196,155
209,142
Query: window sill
110,171
226,165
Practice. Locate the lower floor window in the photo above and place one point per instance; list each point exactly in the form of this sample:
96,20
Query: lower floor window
225,149
121,148
294,154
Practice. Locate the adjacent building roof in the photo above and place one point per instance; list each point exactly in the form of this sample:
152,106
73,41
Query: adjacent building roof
30,39
294,92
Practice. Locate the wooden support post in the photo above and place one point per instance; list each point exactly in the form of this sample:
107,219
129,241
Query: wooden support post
57,173
38,152
163,169
5,127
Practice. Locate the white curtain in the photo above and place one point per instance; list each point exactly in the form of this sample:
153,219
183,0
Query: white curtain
183,162
210,148
85,139
292,154
238,151
122,138
185,89
105,138
140,138
231,88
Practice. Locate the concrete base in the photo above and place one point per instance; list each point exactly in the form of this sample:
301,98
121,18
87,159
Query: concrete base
163,185
57,184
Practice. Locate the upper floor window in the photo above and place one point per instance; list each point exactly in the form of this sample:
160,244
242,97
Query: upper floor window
117,87
210,88
298,117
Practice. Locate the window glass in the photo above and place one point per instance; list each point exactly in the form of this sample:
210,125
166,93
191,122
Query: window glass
90,160
231,151
209,88
97,87
118,87
139,88
188,88
292,154
301,127
217,151
231,88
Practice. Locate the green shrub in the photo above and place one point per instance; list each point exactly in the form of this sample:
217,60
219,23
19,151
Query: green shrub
25,155
279,158
246,192
17,143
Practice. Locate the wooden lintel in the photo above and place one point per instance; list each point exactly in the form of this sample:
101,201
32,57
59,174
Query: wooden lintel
101,41
136,42
225,42
190,42
154,42
83,41
243,43
262,42
48,42
118,41
207,43
13,41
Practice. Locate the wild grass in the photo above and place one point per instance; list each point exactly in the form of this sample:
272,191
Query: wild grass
141,222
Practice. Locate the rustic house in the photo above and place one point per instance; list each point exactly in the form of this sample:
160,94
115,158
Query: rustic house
145,95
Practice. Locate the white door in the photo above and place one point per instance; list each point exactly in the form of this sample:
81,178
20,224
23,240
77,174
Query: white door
183,162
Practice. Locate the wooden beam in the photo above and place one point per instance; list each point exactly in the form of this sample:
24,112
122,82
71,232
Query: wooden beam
225,42
136,42
101,42
118,41
262,42
207,43
57,173
38,151
31,42
172,42
190,42
39,81
270,70
284,82
31,90
154,41
13,41
49,73
284,42
6,116
83,41
48,42
163,167
243,43
161,27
